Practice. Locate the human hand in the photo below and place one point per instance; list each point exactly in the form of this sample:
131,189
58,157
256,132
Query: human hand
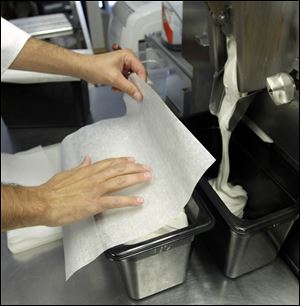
113,69
85,190
110,68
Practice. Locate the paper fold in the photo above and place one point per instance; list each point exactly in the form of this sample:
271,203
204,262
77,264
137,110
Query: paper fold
154,136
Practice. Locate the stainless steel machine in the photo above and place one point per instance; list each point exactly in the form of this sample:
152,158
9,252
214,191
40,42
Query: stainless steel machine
263,161
264,148
267,37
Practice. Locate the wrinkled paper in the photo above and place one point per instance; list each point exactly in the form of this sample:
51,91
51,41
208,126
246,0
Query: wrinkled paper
154,136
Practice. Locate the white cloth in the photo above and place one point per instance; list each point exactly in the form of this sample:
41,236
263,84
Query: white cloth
13,40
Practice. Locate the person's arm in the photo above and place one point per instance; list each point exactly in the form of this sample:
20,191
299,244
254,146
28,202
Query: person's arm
108,68
72,195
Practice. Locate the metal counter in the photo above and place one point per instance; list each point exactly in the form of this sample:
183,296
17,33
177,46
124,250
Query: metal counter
37,276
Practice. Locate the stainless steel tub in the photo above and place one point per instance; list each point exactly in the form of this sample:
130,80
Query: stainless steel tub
160,263
243,245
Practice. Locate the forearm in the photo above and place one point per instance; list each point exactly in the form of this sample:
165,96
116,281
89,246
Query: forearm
106,69
20,207
40,56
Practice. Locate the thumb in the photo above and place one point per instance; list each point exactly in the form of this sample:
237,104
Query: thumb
128,87
87,161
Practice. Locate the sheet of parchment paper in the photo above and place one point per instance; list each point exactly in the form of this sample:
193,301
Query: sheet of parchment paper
31,168
152,134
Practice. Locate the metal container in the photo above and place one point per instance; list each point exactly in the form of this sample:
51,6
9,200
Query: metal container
160,263
243,245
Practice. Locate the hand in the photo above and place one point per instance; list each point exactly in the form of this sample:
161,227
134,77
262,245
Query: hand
110,68
113,69
85,190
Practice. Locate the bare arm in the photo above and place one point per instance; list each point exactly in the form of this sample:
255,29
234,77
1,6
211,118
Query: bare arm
108,68
20,206
72,195
84,191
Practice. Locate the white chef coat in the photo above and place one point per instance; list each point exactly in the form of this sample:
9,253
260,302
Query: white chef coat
12,41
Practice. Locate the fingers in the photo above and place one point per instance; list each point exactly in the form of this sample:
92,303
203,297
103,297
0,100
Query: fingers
114,89
126,86
124,181
115,47
122,169
105,176
87,161
87,170
110,202
99,166
111,162
130,64
133,64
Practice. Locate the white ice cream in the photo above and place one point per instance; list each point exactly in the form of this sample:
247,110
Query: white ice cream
235,197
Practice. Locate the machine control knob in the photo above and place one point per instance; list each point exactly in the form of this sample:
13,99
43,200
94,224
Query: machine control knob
281,88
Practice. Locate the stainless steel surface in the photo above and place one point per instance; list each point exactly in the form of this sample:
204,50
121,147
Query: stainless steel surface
96,25
290,250
216,98
267,37
267,34
45,26
195,49
241,109
146,275
220,14
195,25
296,68
281,123
257,130
281,88
217,43
79,16
161,263
37,277
217,92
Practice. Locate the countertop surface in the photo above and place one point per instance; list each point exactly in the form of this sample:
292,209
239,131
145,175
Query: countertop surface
37,276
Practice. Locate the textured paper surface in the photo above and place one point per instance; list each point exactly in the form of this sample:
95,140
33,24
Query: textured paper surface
27,168
179,222
31,168
154,136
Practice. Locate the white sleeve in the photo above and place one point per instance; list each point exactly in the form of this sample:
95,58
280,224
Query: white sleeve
12,41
